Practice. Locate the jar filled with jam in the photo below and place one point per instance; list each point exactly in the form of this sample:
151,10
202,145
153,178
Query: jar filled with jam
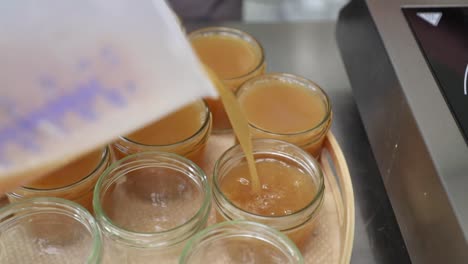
75,181
183,132
290,191
287,107
234,56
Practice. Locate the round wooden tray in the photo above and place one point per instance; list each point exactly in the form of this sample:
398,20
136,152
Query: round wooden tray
332,239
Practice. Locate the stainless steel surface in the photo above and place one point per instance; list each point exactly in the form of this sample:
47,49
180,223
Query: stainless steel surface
419,149
291,10
309,49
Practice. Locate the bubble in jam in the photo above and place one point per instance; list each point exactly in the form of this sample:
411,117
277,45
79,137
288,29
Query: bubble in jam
285,188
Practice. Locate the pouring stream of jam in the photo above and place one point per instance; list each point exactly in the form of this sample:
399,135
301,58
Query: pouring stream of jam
239,124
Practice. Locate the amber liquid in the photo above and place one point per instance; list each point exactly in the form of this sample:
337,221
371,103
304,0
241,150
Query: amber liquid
182,132
231,59
267,187
239,125
285,189
74,181
281,107
174,128
70,173
286,108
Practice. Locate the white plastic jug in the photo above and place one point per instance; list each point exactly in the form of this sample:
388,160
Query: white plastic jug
74,75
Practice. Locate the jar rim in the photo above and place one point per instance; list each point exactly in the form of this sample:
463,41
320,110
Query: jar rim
246,226
315,202
107,224
281,76
105,156
203,127
76,211
239,34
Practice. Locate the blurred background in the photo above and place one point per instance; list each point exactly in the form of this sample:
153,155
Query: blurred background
257,10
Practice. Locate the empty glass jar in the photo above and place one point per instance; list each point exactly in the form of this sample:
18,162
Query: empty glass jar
47,231
148,205
240,242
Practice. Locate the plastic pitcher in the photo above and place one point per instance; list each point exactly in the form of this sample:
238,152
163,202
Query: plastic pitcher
74,75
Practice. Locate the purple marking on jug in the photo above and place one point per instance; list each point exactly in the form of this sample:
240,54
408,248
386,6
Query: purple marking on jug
130,86
109,56
47,82
25,131
83,64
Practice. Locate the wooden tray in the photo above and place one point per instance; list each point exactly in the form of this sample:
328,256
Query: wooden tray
332,239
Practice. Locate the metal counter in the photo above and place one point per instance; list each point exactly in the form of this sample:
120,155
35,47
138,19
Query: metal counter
309,49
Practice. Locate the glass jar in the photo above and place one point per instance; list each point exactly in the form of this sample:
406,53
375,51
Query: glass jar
234,56
287,107
71,182
189,144
290,194
48,230
148,204
240,242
